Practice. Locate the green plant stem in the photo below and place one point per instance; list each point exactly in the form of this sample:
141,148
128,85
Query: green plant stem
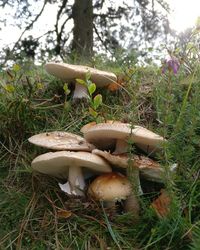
183,107
112,234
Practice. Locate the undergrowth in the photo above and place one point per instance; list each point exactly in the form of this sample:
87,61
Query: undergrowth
35,214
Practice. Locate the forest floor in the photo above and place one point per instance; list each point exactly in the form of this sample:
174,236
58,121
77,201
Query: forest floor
36,214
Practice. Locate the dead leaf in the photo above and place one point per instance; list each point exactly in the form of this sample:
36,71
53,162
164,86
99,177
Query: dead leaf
64,213
113,86
117,85
162,204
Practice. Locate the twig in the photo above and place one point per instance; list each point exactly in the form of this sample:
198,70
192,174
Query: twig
29,26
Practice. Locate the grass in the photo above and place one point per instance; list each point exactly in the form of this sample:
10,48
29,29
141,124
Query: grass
35,214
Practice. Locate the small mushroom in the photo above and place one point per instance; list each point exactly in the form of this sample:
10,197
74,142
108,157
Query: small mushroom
66,164
60,140
123,161
148,168
69,73
112,187
121,133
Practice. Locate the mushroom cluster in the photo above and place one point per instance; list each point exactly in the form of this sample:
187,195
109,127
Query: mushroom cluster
73,153
103,151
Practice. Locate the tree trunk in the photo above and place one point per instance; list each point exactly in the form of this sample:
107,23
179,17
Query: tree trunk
82,14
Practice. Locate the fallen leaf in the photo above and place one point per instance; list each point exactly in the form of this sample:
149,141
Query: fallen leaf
113,86
64,213
162,204
116,85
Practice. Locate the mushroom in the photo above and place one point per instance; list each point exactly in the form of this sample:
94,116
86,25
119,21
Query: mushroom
112,187
148,168
121,133
69,72
123,161
66,164
60,140
103,143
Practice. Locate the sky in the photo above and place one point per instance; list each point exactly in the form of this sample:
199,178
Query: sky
183,15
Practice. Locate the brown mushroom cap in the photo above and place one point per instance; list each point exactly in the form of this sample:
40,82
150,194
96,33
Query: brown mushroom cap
120,160
58,163
69,72
149,169
110,187
59,140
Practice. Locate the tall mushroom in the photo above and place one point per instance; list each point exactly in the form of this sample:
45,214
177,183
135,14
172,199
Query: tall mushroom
61,140
69,73
66,164
120,133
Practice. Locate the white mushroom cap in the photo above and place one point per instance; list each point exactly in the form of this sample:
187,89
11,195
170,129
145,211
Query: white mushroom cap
71,72
103,143
110,187
121,132
66,164
59,140
89,125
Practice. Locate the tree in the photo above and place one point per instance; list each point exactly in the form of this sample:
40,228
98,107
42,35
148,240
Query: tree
105,24
83,37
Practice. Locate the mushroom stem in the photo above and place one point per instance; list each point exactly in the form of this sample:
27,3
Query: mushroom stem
121,147
80,91
131,204
110,206
76,181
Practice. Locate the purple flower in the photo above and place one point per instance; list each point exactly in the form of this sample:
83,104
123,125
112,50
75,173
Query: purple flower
172,64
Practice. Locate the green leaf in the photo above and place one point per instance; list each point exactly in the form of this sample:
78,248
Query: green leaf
91,88
66,89
16,67
81,81
93,112
9,88
97,101
39,85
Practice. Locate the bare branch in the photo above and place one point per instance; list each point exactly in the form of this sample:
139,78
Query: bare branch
29,26
6,2
98,35
64,3
59,33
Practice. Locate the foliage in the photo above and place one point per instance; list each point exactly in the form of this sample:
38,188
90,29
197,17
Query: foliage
94,102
